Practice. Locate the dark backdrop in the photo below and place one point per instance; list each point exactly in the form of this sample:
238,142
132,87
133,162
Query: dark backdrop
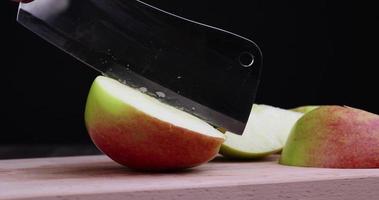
315,52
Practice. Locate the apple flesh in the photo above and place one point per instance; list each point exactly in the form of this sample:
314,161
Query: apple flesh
334,137
142,133
266,132
304,109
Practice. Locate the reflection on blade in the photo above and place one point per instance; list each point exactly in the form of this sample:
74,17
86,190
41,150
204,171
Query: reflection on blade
172,98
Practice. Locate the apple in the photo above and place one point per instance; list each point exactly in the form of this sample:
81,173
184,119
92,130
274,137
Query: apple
304,109
142,133
266,132
334,137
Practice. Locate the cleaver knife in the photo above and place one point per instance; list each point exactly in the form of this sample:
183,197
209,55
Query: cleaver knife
203,70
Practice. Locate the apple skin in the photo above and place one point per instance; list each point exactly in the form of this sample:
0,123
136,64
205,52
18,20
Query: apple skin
304,109
334,137
139,141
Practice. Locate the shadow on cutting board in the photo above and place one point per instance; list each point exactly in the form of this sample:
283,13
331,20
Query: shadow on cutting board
46,150
221,159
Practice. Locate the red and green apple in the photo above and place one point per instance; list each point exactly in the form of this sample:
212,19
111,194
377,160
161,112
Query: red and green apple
334,137
141,132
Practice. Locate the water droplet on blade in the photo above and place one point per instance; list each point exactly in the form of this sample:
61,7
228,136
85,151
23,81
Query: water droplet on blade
160,94
143,89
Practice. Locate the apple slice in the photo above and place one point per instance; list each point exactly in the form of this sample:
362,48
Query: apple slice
266,132
140,132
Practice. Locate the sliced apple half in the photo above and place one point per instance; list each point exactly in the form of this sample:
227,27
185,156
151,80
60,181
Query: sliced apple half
140,132
266,132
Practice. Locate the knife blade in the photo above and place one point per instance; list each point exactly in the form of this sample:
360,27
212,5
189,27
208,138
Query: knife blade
201,69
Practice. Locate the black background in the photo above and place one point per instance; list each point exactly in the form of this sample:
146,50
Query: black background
315,52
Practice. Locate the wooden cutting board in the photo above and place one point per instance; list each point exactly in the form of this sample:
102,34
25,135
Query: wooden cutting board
98,177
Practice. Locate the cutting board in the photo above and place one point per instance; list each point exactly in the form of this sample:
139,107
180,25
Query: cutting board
98,177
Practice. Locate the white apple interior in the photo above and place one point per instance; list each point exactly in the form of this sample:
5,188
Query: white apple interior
267,130
155,108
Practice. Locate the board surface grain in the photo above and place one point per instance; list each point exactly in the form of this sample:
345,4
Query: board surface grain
98,177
